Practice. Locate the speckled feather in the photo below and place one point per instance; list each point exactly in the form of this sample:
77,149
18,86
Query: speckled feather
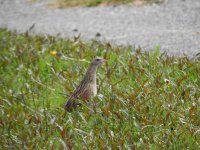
87,88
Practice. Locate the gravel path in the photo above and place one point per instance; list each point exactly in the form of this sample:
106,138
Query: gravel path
174,25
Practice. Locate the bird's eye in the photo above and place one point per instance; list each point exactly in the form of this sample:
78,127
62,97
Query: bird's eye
97,59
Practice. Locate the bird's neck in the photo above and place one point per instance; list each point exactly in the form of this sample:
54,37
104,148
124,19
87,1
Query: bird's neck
91,73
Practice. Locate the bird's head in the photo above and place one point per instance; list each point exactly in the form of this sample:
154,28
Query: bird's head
97,61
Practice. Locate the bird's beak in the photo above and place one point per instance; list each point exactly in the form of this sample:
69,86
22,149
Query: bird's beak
104,60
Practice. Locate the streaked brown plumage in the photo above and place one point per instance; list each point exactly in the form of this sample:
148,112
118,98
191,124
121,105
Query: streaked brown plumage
87,88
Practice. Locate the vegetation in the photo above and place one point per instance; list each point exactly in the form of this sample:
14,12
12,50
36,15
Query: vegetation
74,3
146,100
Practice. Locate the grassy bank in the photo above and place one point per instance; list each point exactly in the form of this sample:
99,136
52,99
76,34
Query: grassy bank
74,3
145,100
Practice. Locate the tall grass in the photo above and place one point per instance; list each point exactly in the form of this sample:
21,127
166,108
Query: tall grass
146,100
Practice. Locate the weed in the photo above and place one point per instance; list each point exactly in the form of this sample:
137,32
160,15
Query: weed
146,100
75,3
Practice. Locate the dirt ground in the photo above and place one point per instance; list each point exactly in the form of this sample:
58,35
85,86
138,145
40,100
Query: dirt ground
174,26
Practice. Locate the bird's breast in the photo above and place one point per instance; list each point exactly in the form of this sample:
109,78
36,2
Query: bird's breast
90,92
95,89
92,88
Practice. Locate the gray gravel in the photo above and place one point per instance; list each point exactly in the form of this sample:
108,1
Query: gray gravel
174,25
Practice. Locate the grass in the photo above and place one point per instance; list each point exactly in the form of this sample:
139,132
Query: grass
74,3
145,100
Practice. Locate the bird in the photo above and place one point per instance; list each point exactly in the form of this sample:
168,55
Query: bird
87,88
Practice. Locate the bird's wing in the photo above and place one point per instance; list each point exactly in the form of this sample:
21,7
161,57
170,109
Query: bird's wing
71,103
80,90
